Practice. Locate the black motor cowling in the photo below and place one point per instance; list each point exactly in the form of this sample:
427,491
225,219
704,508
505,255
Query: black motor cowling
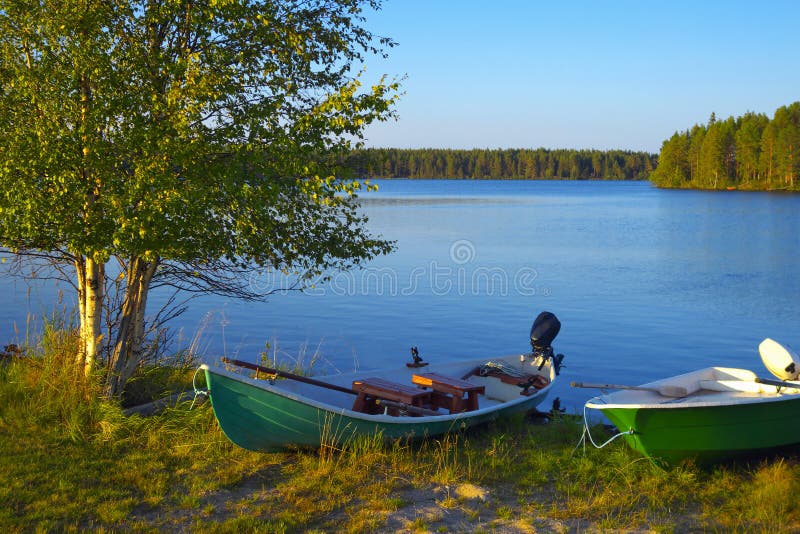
544,330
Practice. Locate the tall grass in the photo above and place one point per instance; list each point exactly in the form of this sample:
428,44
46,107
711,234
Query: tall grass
47,389
70,459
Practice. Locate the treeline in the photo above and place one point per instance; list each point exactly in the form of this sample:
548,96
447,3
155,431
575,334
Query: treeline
748,152
529,164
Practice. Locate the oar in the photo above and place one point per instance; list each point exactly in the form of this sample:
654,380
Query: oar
306,380
290,376
777,383
472,372
666,391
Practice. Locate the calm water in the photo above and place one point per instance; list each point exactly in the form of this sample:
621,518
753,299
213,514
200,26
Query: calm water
647,283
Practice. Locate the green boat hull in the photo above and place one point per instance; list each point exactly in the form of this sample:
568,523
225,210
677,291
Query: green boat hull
262,419
709,434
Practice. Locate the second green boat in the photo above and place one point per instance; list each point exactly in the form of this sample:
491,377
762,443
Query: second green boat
710,415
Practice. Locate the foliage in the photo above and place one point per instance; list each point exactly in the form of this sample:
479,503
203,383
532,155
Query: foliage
187,143
747,152
503,163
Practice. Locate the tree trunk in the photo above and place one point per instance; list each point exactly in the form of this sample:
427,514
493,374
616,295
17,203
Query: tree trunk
769,166
127,353
80,274
91,278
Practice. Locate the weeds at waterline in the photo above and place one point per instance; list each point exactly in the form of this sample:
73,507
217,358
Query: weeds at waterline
70,461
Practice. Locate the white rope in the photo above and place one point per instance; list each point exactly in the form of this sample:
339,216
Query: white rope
587,433
504,368
197,391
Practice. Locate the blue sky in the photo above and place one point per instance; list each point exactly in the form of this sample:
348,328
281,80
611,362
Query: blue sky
580,74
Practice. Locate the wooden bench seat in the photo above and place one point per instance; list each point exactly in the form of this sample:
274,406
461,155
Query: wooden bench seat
451,391
372,390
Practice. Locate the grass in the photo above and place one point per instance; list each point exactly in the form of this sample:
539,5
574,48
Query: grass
71,462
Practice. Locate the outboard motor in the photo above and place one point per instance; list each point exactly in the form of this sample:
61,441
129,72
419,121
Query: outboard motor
544,330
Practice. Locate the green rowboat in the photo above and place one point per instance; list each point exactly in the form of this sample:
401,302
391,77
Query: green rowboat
268,415
710,415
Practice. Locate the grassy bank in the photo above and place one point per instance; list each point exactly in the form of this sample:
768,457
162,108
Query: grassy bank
70,462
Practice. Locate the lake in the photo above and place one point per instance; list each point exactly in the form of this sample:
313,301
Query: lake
647,283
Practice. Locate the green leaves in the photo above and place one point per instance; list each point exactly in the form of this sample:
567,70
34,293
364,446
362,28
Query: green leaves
184,130
193,141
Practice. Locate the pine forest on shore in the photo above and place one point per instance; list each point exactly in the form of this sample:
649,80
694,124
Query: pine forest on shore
540,163
750,152
747,152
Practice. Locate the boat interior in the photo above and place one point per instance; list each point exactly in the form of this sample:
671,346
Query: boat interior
711,385
726,380
421,390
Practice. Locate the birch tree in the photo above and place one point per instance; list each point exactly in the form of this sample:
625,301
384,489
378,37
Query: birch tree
187,141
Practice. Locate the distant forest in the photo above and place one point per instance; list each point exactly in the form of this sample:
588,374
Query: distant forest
529,164
748,152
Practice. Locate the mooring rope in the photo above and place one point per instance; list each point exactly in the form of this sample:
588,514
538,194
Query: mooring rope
197,391
587,433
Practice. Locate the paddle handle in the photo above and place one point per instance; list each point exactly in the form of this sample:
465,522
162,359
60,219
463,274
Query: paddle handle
472,372
591,385
777,383
666,391
287,375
